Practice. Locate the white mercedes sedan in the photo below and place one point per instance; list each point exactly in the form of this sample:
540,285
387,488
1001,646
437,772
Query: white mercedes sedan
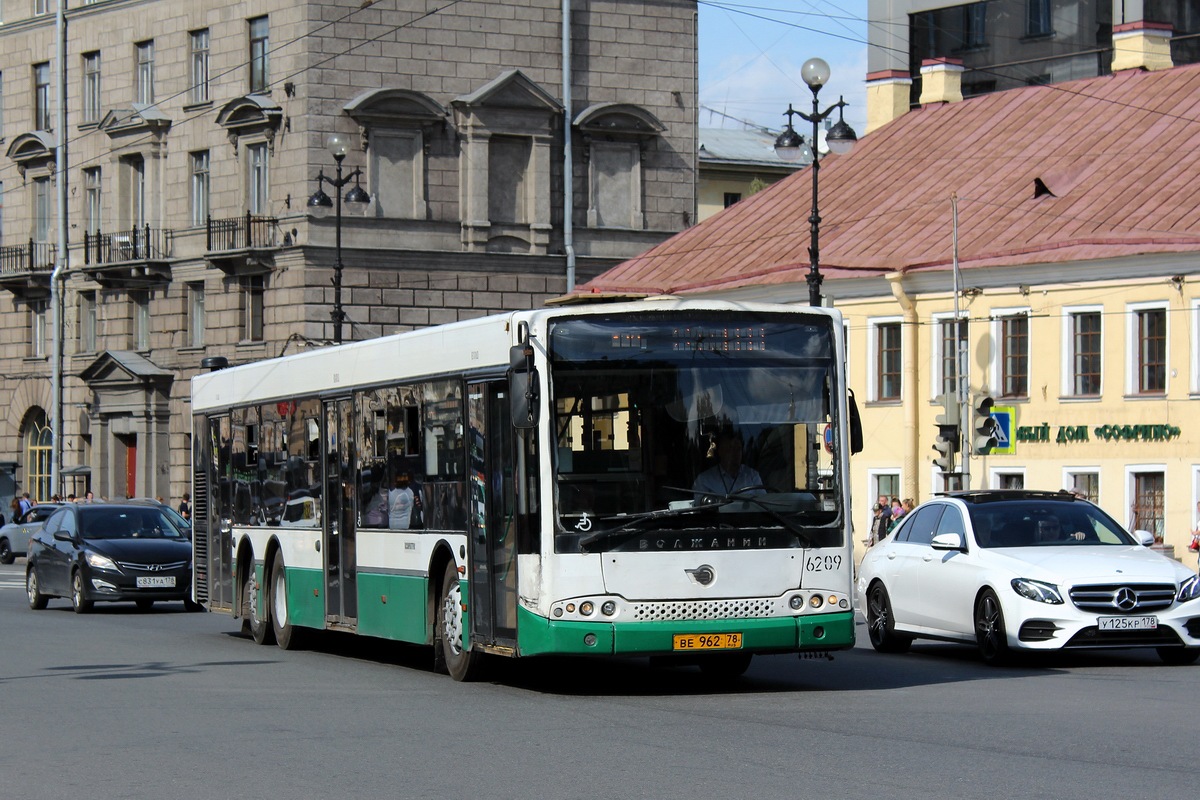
1025,570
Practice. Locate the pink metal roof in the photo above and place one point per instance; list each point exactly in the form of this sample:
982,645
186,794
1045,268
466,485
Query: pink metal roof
1119,156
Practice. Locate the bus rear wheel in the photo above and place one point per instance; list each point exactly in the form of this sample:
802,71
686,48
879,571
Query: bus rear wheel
460,662
287,636
256,627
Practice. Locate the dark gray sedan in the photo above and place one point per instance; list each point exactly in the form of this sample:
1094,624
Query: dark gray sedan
14,537
109,552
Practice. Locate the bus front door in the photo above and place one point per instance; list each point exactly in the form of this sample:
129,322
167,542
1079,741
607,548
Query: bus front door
492,570
338,519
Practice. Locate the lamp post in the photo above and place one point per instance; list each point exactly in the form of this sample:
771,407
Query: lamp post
791,146
320,203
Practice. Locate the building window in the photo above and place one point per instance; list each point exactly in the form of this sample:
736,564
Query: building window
91,200
1014,362
1084,353
250,309
199,66
140,340
1,106
41,96
1151,351
135,200
731,198
260,41
974,21
948,347
195,314
1146,513
41,7
397,173
1085,484
887,361
508,166
41,210
1008,480
1037,18
614,173
144,80
257,179
87,322
39,454
200,187
37,328
91,87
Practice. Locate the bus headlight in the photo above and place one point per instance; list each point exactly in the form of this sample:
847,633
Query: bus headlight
816,600
796,602
609,608
587,607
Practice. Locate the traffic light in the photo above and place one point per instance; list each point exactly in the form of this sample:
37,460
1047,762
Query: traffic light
949,410
985,426
946,445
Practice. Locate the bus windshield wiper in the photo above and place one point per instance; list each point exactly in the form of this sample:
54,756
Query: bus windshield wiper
740,496
632,523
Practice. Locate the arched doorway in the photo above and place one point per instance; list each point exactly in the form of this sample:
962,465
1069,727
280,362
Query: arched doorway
38,444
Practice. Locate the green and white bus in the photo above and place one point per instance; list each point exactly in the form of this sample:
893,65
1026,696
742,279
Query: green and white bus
533,483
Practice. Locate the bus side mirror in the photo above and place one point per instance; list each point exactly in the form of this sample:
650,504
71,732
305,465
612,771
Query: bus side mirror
523,386
856,435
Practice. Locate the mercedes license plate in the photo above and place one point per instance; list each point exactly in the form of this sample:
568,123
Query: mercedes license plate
1147,623
156,582
707,641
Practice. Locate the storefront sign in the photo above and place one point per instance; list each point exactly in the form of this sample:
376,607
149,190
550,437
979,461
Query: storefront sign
1069,434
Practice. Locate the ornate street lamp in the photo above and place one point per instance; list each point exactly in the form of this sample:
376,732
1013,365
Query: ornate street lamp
320,203
791,146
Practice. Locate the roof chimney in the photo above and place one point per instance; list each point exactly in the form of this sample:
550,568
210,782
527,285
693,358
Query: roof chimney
889,93
941,80
1142,45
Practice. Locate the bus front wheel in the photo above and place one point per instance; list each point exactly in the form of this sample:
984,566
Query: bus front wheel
460,662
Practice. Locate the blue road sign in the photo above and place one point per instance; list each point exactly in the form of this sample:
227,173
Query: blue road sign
1005,444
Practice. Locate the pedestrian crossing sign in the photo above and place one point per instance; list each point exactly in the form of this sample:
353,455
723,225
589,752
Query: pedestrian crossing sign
1005,443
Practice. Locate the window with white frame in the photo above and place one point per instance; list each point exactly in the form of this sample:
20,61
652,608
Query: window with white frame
1147,493
250,322
41,209
195,314
37,328
140,334
1008,479
1147,348
950,341
144,78
1083,351
92,102
1014,355
41,96
260,54
87,322
885,359
198,63
1083,482
199,188
257,179
91,200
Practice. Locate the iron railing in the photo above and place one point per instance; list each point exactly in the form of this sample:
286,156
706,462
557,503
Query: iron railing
247,232
31,257
135,244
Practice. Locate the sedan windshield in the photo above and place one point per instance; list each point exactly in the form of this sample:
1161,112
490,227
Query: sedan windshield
126,522
1044,523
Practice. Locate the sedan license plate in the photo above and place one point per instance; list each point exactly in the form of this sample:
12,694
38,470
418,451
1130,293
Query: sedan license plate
156,582
1147,623
707,641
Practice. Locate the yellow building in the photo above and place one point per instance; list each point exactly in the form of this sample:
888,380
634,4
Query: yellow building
1067,215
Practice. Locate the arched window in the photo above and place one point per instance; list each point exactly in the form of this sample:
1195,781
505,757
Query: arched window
39,454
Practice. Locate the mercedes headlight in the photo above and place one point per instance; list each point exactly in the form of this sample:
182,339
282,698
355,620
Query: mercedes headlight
1037,591
97,561
1189,589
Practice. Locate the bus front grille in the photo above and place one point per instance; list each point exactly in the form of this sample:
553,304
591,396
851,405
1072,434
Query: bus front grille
707,609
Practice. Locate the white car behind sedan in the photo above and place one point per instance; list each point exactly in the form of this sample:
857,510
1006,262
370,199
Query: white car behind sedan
1024,570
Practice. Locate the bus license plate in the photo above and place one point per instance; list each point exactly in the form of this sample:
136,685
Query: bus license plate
157,582
1148,623
707,641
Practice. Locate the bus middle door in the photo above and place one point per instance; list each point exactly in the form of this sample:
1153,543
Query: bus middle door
338,521
492,570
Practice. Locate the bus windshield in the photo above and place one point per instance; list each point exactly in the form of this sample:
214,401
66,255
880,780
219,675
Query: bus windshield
705,433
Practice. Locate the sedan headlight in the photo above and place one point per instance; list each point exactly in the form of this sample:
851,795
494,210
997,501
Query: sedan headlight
1189,589
1037,591
97,561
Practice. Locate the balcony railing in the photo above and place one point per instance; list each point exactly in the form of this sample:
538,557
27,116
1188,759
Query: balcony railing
31,257
136,244
241,233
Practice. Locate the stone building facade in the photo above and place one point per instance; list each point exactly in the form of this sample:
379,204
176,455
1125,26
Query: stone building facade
194,135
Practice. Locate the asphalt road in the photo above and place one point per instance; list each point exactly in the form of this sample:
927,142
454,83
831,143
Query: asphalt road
167,704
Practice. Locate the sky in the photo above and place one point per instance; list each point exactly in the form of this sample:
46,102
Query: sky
751,52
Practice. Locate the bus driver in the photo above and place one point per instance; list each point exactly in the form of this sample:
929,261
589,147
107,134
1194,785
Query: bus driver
729,476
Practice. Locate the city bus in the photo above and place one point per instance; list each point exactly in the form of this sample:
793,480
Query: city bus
533,483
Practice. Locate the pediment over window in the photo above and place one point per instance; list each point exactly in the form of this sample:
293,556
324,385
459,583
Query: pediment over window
137,118
32,149
395,107
114,369
623,119
511,90
251,113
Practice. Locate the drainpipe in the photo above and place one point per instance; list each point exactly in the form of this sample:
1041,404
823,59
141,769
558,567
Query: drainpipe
909,387
568,159
60,258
